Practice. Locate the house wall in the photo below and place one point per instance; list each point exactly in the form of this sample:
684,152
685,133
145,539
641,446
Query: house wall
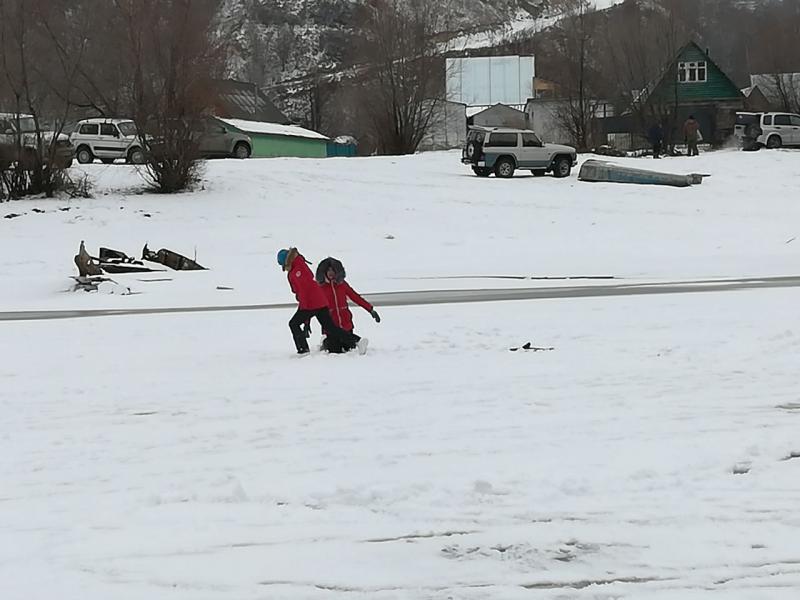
448,128
542,117
756,101
781,91
717,86
269,146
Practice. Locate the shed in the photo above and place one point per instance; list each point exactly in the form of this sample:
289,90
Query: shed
273,139
343,145
499,115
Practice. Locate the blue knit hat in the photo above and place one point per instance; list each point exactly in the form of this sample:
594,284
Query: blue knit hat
282,254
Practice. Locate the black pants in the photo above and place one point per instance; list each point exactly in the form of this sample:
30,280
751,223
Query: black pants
693,151
345,339
656,149
334,346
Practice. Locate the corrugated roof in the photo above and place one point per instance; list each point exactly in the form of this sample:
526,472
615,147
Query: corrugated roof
240,100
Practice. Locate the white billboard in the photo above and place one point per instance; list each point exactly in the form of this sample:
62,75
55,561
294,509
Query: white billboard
487,80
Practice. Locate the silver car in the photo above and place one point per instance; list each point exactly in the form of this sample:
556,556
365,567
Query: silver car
108,140
217,140
502,151
22,145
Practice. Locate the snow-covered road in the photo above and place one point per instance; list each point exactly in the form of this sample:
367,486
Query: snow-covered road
458,296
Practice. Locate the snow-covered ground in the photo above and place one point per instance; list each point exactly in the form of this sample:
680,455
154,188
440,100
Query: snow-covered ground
647,456
392,220
191,457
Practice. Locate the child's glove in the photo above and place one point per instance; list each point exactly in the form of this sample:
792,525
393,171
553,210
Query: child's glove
375,315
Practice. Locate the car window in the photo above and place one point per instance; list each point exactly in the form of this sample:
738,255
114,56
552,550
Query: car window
27,125
782,120
108,129
476,136
6,126
743,119
795,120
215,128
127,128
768,120
529,140
88,129
503,140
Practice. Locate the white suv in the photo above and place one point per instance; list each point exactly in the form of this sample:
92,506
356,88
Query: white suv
772,130
108,140
502,151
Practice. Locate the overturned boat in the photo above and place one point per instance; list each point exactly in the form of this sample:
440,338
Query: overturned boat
602,171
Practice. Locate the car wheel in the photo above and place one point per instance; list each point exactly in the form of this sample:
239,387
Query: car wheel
750,146
562,167
774,142
482,171
136,156
752,131
241,150
504,168
84,155
539,172
107,161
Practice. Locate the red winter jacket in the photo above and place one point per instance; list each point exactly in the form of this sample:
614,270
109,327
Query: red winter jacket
337,295
305,288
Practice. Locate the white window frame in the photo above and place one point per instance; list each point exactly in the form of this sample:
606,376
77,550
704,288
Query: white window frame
691,71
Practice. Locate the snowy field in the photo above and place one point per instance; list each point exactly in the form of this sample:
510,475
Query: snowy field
191,457
392,220
652,454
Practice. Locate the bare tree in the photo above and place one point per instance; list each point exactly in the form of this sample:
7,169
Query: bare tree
780,58
641,46
573,43
402,72
173,57
40,54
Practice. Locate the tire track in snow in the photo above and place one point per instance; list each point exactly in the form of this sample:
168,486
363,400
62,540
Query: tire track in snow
431,297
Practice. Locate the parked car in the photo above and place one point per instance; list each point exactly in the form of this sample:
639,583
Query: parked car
22,144
213,138
108,140
217,140
772,129
502,151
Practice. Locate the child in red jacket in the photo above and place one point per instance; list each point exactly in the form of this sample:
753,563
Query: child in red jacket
312,303
330,277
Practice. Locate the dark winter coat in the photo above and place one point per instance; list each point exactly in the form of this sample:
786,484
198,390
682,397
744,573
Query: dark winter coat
656,134
301,280
690,129
337,292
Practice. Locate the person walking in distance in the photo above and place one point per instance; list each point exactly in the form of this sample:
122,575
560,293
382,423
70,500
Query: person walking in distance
656,136
312,303
691,135
330,277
